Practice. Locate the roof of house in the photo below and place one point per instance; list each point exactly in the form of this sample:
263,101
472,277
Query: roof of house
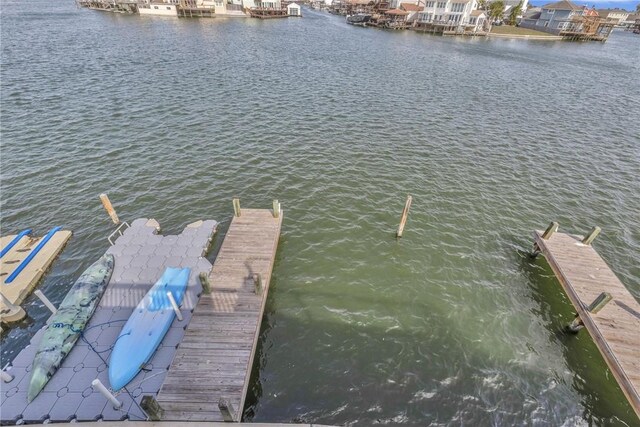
590,12
410,7
633,16
396,12
532,13
562,5
477,13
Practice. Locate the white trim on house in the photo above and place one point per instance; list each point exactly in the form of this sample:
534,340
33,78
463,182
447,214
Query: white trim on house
158,9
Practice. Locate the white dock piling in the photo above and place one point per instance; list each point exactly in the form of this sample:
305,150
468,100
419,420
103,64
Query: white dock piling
46,301
11,312
175,306
6,377
97,385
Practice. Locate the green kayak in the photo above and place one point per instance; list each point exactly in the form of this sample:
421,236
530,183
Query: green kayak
68,323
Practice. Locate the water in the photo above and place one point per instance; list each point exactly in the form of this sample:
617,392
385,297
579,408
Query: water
451,325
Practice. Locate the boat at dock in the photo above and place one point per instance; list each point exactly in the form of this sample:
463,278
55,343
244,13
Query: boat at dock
359,19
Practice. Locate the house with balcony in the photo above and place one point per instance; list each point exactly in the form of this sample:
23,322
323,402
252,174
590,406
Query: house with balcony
447,16
553,17
618,15
573,22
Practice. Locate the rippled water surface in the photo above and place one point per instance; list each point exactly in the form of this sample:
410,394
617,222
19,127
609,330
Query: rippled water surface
451,325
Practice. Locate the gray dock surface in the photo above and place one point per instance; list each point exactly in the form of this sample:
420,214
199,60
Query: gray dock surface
616,328
141,256
215,357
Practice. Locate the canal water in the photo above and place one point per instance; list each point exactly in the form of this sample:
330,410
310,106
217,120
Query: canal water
451,325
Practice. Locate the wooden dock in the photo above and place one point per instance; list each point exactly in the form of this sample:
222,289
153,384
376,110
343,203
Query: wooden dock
604,306
209,376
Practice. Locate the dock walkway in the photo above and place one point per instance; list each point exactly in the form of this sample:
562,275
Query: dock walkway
215,357
615,328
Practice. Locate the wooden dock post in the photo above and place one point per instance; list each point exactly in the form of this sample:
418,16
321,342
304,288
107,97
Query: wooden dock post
276,208
593,308
109,208
589,238
205,282
236,207
403,219
152,408
552,228
226,409
257,282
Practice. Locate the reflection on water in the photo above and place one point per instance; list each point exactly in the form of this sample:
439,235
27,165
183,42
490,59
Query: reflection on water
450,325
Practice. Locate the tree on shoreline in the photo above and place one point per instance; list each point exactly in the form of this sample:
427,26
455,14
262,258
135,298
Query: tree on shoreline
496,9
515,12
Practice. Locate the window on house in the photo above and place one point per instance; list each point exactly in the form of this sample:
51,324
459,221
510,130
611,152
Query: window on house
168,8
430,4
442,4
472,20
457,7
155,7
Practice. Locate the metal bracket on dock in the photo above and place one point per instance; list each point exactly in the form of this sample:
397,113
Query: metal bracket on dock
119,230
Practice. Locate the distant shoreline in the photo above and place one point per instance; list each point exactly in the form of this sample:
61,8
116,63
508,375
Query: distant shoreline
524,36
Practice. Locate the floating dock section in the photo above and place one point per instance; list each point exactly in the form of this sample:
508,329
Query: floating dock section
209,376
141,256
23,262
604,306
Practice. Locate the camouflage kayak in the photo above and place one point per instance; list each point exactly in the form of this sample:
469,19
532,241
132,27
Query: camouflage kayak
67,324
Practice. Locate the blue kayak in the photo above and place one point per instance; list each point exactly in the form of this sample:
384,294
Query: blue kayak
147,326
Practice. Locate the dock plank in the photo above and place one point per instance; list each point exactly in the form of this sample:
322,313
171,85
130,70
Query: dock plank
615,329
215,358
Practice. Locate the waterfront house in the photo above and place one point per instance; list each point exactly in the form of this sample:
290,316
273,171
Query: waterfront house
478,22
617,15
268,4
395,19
569,20
267,9
158,8
293,9
631,20
554,17
532,14
444,16
412,9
